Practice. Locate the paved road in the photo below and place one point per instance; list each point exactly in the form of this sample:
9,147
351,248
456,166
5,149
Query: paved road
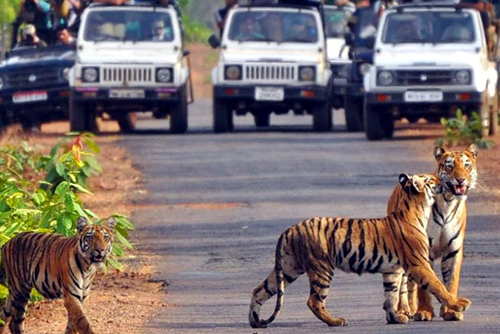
219,202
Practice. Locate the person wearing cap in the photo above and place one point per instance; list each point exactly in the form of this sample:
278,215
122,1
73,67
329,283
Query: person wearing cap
160,33
30,38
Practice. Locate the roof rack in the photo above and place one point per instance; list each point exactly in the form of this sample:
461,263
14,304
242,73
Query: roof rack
428,3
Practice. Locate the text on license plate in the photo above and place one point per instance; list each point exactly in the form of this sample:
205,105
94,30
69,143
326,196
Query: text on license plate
269,93
29,97
127,93
428,96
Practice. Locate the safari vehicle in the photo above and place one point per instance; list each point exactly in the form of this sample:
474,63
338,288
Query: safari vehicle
273,60
34,85
430,60
335,19
130,58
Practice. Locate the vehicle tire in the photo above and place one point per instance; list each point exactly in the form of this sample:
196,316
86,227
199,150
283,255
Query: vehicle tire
179,113
322,117
377,126
81,118
262,120
127,122
353,109
223,116
493,130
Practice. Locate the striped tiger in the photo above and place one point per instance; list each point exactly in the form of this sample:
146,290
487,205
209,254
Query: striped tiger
391,245
56,266
457,172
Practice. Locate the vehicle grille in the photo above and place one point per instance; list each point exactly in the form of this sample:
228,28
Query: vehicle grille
270,72
424,78
119,75
33,78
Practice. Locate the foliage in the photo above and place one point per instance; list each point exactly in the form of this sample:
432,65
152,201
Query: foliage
463,130
8,10
31,202
194,30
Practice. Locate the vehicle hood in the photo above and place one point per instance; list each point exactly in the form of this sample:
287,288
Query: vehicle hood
35,58
293,55
423,57
128,56
333,48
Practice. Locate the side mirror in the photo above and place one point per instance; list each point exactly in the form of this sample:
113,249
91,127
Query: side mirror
214,41
186,53
370,42
349,38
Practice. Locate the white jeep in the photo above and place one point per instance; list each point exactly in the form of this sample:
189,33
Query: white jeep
273,60
429,61
129,58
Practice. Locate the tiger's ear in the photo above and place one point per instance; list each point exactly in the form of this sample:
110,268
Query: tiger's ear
473,149
111,223
439,151
403,179
81,224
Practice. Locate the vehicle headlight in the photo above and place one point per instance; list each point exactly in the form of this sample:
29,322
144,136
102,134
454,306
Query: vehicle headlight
90,74
232,72
385,78
65,73
1,82
164,75
462,77
307,73
364,68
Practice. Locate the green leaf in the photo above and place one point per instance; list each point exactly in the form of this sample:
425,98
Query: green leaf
60,170
123,240
113,263
81,188
4,292
92,145
62,189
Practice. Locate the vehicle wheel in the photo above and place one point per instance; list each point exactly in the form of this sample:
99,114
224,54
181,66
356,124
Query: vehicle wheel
493,130
81,118
322,117
127,122
377,125
353,109
223,116
262,120
179,114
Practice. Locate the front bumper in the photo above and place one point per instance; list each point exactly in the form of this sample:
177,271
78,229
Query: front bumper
128,94
461,98
53,106
246,93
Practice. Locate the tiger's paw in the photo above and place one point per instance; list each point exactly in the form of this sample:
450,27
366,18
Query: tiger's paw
423,316
449,315
396,318
407,311
460,305
339,322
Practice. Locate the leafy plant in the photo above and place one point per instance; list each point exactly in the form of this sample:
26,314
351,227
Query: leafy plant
462,130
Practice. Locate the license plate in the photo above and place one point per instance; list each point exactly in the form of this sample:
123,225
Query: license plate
25,97
429,96
269,93
127,93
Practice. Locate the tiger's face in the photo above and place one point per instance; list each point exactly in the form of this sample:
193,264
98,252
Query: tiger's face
422,188
457,170
96,241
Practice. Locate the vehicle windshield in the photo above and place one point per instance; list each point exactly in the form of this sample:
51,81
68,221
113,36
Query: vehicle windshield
429,27
273,26
336,22
128,25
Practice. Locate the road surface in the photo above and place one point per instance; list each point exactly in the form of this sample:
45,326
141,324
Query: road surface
218,204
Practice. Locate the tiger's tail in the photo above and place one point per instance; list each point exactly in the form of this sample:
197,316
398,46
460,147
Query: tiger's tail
255,322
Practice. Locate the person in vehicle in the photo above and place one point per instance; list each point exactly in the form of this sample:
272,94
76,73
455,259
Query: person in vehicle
273,27
249,30
64,37
404,32
161,33
36,13
30,38
66,14
221,14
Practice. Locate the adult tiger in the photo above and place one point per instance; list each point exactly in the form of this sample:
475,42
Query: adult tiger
394,244
56,266
446,230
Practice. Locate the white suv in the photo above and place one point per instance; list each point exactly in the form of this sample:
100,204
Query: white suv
429,61
273,60
129,58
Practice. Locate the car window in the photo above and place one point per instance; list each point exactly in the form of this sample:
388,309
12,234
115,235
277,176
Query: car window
429,27
120,25
273,26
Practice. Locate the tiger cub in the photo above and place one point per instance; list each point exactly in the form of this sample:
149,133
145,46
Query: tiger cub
391,245
56,266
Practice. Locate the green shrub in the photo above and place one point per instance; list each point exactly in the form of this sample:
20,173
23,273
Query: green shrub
462,130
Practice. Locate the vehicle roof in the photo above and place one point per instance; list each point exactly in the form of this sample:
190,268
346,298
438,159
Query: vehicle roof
129,5
428,4
278,6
